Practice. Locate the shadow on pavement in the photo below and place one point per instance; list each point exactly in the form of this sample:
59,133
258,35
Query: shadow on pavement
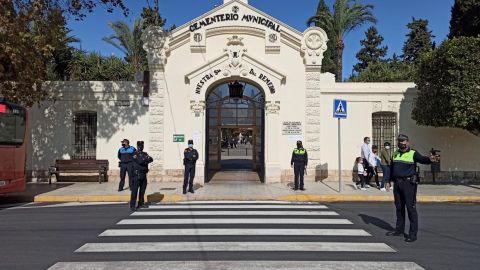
32,190
377,222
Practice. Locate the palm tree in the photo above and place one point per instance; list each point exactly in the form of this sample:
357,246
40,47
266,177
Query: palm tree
129,42
347,15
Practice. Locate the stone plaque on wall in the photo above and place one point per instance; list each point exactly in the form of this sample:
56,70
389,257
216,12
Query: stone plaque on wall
292,128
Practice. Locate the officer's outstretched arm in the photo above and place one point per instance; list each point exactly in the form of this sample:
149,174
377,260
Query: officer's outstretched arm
417,157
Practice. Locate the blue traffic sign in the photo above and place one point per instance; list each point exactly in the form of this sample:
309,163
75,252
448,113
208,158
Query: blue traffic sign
339,108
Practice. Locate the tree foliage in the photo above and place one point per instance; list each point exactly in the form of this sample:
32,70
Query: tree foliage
31,31
419,40
129,41
347,16
371,52
465,19
94,67
449,86
390,70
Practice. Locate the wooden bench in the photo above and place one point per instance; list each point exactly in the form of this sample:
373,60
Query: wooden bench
77,166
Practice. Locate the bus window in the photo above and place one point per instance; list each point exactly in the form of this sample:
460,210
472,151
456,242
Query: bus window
12,127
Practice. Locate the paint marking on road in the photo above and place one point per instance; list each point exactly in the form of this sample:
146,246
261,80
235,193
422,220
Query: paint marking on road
295,221
234,213
239,202
238,206
68,204
234,231
237,265
236,246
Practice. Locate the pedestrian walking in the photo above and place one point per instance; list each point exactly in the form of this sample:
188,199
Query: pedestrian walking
361,172
190,157
374,161
385,161
299,162
403,174
141,160
125,154
365,153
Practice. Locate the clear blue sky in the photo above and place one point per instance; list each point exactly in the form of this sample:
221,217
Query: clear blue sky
392,15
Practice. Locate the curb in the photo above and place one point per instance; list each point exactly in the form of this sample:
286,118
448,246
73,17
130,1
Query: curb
293,198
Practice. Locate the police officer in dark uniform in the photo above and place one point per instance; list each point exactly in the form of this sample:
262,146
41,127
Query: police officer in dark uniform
140,169
125,154
403,173
299,163
190,157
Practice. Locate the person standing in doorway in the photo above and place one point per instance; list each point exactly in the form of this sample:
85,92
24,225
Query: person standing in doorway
299,162
125,154
140,169
386,159
190,157
403,174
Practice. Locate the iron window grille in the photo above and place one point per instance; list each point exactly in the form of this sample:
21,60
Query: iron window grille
85,135
384,128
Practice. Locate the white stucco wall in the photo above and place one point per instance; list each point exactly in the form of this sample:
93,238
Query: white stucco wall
51,122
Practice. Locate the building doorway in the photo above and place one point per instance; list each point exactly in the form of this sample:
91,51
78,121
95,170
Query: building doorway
235,122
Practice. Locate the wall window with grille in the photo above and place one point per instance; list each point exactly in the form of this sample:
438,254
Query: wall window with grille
85,135
384,127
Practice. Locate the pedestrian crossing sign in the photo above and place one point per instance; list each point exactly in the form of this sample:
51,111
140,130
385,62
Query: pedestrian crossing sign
339,108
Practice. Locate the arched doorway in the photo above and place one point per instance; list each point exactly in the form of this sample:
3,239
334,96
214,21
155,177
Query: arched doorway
235,123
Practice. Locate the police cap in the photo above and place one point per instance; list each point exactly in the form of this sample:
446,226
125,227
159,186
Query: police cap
402,137
140,143
190,141
299,141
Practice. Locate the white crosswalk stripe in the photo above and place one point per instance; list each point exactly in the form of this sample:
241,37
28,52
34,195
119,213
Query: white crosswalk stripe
163,221
262,230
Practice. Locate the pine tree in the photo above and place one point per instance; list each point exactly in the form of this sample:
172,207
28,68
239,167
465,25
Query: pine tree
465,19
419,41
371,51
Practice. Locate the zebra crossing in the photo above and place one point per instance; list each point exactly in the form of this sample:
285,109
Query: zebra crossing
234,235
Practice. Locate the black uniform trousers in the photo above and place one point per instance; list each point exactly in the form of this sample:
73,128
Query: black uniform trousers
299,171
139,186
126,168
405,193
188,176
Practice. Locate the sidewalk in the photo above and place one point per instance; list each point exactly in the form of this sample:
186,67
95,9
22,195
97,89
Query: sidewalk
248,190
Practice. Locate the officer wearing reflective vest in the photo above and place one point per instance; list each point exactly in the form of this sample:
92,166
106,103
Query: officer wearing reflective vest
299,163
403,173
140,169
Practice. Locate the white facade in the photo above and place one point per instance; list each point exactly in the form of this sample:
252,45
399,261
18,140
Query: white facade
237,42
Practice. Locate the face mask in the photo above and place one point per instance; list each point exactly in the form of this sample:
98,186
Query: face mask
402,146
367,142
190,145
387,147
124,145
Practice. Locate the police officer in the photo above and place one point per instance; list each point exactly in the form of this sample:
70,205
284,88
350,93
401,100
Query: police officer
299,163
403,173
140,169
125,154
190,157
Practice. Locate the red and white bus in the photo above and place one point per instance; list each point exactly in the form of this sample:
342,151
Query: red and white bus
13,146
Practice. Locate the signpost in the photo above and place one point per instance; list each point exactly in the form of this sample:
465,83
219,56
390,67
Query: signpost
339,112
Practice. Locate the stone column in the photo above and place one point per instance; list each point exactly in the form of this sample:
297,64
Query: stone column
198,111
154,39
314,44
273,171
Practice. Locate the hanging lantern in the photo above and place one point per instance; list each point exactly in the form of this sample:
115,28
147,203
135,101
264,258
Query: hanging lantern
236,90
